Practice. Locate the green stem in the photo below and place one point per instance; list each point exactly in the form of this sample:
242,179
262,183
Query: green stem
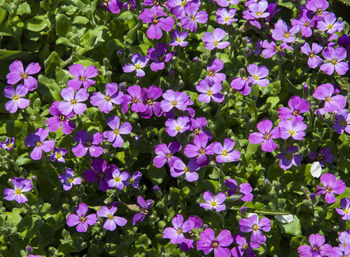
265,212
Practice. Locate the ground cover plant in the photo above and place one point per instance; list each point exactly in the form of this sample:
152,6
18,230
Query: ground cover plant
174,128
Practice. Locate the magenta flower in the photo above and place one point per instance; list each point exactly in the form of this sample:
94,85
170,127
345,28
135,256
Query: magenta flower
177,7
197,126
253,224
138,62
113,6
17,73
105,102
200,149
73,101
118,178
157,24
99,172
289,158
281,32
335,57
16,96
330,24
212,72
225,17
210,90
37,140
342,122
266,136
344,209
213,202
85,144
292,128
258,75
176,233
179,38
175,99
20,186
166,154
159,56
135,97
144,206
149,96
317,248
68,180
332,103
83,76
242,85
244,189
58,119
193,16
112,221
314,60
331,187
118,129
297,106
175,126
81,220
58,154
212,40
225,153
242,247
179,168
208,242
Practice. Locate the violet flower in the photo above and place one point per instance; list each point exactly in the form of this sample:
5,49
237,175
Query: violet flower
135,97
99,172
118,179
254,225
85,144
149,96
225,3
138,62
289,158
332,103
242,85
213,202
37,140
193,16
258,75
73,101
225,17
200,149
175,99
335,57
259,9
266,136
179,38
331,187
17,73
317,248
225,153
105,102
344,239
83,76
317,6
330,24
68,180
16,96
8,144
342,122
292,128
324,155
20,186
179,168
242,247
297,106
59,119
270,49
81,220
113,6
281,32
344,209
58,154
314,60
175,126
212,72
244,189
134,179
113,136
166,154
159,56
210,90
176,233
305,23
112,221
197,126
144,206
208,242
212,40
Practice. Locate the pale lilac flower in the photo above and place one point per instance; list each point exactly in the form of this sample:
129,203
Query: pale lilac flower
58,154
138,62
330,24
105,102
332,103
208,242
176,233
68,180
344,239
118,179
20,186
175,126
177,7
118,129
193,16
281,32
292,128
305,23
259,10
73,101
179,168
225,3
212,40
344,209
266,136
85,144
225,17
135,97
289,158
317,248
81,220
82,76
318,7
314,60
179,38
200,149
17,73
210,90
197,126
175,99
335,57
258,75
37,140
144,212
166,154
112,221
225,153
331,187
254,225
58,119
297,106
213,202
213,71
244,189
270,49
16,96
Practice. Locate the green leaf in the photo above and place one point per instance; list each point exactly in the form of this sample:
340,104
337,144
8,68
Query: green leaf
273,100
81,20
63,25
292,228
23,159
23,8
38,23
52,62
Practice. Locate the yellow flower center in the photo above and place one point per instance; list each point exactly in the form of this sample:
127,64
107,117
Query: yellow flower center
15,97
201,151
307,24
83,219
179,39
215,244
18,191
150,102
209,93
256,77
108,98
267,136
328,189
73,102
110,216
58,156
259,13
224,152
24,75
289,156
245,246
227,18
215,43
291,132
213,203
62,117
137,66
255,227
328,99
197,131
211,73
82,78
186,169
155,21
169,155
319,12
286,35
70,180
131,181
178,128
174,103
312,55
334,61
193,18
38,143
117,179
295,113
183,3
346,210
116,132
343,123
330,26
179,231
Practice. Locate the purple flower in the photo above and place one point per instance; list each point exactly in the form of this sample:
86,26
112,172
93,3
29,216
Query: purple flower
112,221
73,101
105,102
149,96
193,16
177,7
175,126
213,75
244,189
212,40
159,56
20,186
197,126
175,99
8,144
210,90
259,10
118,179
99,171
213,202
342,122
134,179
305,23
266,136
82,76
258,75
335,57
225,17
58,154
113,135
287,159
68,180
113,6
200,149
58,119
225,3
344,210
17,73
344,239
208,242
242,85
81,220
166,153
324,155
253,224
314,60
85,144
179,168
157,24
225,153
176,233
317,6
330,24
270,49
242,247
292,128
138,62
16,96
144,206
179,38
331,187
332,103
297,106
37,140
135,97
317,248
281,32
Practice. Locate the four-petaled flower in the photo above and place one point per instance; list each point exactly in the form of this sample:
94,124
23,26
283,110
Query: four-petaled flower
81,220
112,221
213,202
208,242
20,186
82,76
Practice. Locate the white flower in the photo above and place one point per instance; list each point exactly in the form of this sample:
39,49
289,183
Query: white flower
316,169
